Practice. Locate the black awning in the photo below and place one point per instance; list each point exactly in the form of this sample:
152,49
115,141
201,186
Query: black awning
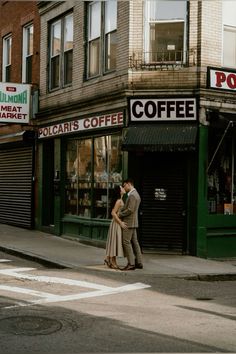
22,136
161,137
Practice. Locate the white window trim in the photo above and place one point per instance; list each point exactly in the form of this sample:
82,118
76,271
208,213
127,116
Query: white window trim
24,50
61,21
102,38
146,32
4,56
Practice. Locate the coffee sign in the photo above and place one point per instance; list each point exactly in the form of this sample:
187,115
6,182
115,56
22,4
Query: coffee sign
165,109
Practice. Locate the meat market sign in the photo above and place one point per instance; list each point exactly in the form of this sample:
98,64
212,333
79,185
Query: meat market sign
170,109
14,103
221,79
95,122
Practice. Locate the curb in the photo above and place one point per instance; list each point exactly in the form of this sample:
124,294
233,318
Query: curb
33,258
59,265
213,277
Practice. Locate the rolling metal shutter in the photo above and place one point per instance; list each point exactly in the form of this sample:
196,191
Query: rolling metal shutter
16,171
163,205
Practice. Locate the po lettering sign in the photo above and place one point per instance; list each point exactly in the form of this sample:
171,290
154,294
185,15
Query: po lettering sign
221,79
169,109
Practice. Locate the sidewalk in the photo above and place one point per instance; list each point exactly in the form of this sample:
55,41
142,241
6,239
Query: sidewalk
61,252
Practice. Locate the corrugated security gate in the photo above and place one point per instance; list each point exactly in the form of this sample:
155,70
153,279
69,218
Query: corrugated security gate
163,204
16,171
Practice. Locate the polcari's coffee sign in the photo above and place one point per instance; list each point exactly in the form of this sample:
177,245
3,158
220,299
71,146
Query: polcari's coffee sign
163,109
91,123
14,103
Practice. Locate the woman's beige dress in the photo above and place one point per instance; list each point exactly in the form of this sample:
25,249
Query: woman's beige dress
114,246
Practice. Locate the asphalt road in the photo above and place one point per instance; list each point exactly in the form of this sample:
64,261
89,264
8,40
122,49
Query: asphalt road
47,310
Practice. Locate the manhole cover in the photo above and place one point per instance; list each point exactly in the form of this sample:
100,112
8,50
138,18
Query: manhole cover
29,325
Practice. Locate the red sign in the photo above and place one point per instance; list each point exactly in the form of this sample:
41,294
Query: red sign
222,79
11,89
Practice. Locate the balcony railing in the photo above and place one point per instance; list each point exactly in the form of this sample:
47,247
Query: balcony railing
164,60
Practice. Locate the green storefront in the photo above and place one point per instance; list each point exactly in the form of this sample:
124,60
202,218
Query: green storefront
186,207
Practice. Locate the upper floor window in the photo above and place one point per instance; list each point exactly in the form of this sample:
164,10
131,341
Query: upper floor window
102,37
165,30
229,33
61,52
27,53
6,59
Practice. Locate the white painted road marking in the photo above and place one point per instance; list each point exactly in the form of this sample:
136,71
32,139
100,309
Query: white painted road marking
4,260
100,290
15,273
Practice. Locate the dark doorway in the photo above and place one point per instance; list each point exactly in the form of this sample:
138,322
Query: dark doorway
48,185
163,207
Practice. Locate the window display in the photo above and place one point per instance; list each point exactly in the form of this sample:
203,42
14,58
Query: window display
221,174
94,167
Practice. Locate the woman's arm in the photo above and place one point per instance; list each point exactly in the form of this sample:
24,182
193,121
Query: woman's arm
115,215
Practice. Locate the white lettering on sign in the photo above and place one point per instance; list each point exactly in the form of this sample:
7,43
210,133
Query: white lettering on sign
221,79
107,120
14,103
162,109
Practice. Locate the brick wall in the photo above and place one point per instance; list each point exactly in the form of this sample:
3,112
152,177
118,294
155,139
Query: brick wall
81,88
14,16
204,49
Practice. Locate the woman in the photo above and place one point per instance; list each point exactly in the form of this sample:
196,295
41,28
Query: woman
114,246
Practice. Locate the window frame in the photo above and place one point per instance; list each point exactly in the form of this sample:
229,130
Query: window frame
232,29
228,24
221,195
27,53
60,75
147,25
6,58
100,40
91,174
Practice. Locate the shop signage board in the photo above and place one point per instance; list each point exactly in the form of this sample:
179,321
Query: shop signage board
162,109
90,123
14,103
221,79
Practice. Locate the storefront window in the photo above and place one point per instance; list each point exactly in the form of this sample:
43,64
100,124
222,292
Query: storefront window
94,167
221,173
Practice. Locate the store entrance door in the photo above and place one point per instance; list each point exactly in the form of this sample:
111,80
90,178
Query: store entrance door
163,209
48,186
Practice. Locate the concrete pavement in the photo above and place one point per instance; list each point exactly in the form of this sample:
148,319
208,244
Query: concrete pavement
61,252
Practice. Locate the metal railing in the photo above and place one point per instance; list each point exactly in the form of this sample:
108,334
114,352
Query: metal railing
169,59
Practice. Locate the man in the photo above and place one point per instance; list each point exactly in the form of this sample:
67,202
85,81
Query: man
129,214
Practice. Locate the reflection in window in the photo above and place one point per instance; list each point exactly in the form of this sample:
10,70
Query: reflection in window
221,173
229,57
102,37
78,161
27,51
229,35
165,30
61,52
94,167
110,35
6,59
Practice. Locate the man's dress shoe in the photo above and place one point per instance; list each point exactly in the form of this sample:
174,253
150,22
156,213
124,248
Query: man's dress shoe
129,267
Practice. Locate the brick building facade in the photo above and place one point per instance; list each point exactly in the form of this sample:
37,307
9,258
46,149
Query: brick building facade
19,65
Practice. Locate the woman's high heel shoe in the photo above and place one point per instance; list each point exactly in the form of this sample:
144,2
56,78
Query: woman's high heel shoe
114,266
107,263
